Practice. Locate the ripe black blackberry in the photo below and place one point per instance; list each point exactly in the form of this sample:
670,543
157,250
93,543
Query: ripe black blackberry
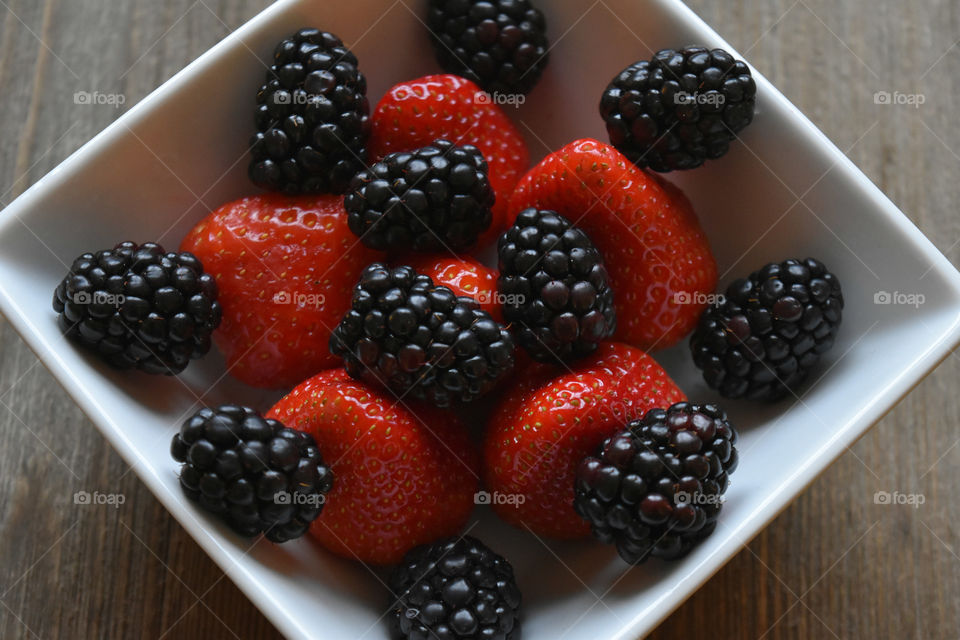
455,589
770,330
411,336
499,44
435,198
138,306
554,286
256,474
680,108
312,117
655,488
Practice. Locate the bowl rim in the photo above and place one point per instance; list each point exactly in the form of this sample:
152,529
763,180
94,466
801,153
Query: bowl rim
653,614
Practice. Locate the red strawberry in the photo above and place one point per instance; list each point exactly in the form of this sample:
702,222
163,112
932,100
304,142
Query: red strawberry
285,267
657,255
465,276
415,113
400,479
545,425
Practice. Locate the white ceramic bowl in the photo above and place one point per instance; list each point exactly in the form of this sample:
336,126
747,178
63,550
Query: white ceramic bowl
162,166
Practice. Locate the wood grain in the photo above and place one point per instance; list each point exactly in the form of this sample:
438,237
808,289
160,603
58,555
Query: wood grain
833,565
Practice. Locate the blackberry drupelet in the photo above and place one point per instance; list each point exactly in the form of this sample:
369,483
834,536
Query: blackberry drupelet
435,198
412,336
499,44
256,474
455,589
138,306
770,330
655,489
554,286
312,117
679,108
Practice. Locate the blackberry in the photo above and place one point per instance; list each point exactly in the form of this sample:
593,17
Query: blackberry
554,286
412,336
434,198
140,307
455,589
655,489
499,44
679,108
769,331
312,117
256,474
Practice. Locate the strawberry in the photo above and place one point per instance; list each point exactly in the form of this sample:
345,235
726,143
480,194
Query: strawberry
285,267
546,424
401,478
415,113
465,276
658,257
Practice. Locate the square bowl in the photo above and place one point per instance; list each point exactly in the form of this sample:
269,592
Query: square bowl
783,190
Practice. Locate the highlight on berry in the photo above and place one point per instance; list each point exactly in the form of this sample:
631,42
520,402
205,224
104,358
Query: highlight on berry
766,335
254,473
555,286
409,335
138,306
499,44
312,117
434,198
655,489
680,108
455,588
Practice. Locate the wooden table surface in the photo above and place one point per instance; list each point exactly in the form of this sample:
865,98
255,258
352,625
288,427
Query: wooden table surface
834,565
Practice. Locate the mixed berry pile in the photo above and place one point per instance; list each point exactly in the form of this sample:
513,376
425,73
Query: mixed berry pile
352,281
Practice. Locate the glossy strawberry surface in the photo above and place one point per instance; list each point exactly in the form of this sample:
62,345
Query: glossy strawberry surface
466,277
285,267
552,419
405,474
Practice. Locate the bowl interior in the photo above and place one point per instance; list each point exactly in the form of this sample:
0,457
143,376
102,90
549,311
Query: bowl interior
782,191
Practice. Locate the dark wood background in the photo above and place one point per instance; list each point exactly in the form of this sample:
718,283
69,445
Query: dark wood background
834,565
